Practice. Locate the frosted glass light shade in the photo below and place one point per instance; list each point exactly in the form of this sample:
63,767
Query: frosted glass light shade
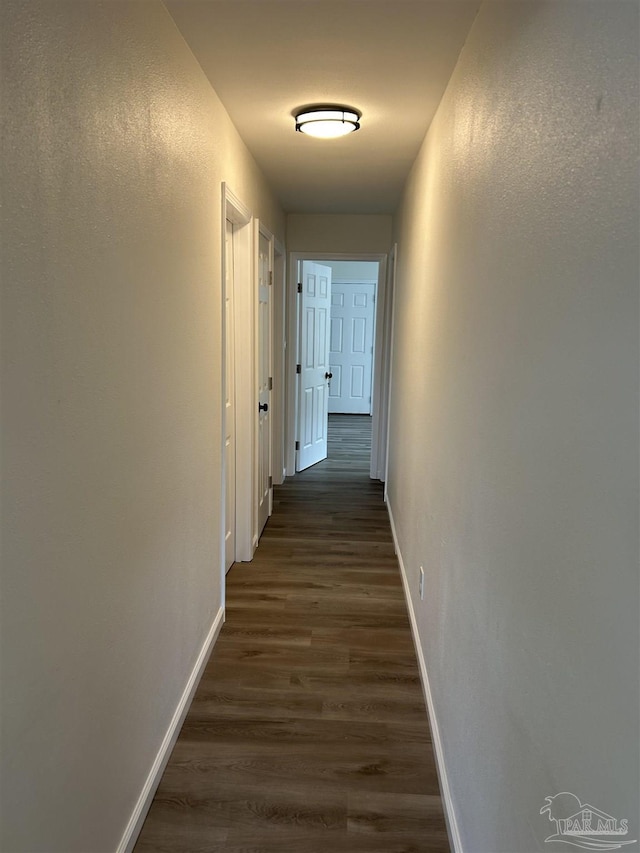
327,122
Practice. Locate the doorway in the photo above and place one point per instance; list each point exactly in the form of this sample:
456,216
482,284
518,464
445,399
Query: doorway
377,333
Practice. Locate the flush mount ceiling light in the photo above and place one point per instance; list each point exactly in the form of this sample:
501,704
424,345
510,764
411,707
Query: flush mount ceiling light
327,122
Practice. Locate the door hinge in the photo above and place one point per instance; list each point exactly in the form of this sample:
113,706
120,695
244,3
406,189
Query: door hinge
298,368
270,277
270,481
299,287
271,383
297,445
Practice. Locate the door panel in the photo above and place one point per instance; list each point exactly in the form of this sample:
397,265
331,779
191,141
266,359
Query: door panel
314,346
351,356
336,337
357,382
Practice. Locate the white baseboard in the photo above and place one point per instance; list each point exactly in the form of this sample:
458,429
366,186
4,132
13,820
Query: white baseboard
452,824
155,774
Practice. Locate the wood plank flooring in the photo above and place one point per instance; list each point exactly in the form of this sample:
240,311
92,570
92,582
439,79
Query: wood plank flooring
308,732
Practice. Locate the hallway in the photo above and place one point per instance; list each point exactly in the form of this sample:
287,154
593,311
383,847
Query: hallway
495,181
308,731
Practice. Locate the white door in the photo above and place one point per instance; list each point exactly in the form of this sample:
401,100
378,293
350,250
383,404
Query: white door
314,364
229,405
264,381
351,347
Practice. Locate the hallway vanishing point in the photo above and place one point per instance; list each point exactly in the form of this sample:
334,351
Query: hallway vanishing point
308,732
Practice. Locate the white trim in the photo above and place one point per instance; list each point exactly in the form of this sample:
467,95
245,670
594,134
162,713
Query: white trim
233,208
145,799
445,790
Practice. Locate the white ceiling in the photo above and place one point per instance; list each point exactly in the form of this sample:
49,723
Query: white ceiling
391,59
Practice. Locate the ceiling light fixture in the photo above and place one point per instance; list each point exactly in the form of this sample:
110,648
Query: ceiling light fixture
327,122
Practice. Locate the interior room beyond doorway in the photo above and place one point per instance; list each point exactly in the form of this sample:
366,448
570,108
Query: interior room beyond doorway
352,335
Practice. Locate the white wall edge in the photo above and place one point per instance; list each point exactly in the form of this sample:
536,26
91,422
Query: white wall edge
449,812
145,799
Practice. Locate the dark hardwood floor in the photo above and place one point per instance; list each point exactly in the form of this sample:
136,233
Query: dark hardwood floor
308,732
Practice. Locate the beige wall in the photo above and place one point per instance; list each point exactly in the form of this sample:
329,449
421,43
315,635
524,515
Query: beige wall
514,434
353,270
114,150
339,233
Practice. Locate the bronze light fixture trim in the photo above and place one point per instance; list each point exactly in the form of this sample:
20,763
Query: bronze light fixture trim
327,121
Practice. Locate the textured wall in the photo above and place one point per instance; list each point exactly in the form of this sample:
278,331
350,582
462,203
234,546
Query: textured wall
514,435
338,233
113,150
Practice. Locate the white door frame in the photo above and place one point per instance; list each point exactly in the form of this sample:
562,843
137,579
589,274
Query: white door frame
379,376
245,380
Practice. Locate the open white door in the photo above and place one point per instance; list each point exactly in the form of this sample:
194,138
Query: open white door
314,364
264,381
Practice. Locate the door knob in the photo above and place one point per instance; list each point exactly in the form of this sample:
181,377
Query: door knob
263,407
328,376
